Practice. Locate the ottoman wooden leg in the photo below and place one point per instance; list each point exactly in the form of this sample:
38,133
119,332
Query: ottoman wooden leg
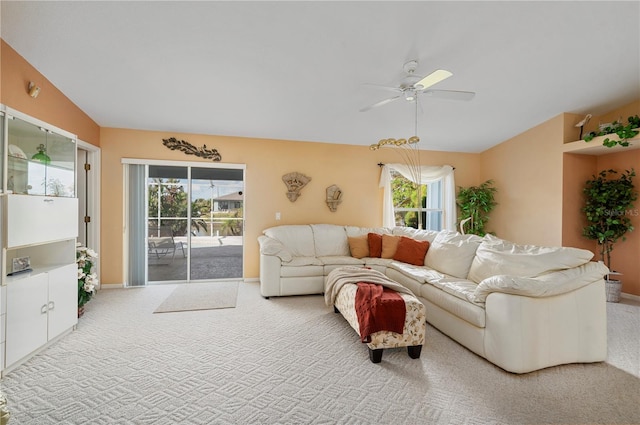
375,355
414,351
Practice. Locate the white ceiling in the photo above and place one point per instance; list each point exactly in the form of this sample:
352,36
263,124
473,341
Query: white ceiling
297,70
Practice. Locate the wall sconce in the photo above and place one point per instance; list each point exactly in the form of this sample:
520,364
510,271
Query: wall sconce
33,90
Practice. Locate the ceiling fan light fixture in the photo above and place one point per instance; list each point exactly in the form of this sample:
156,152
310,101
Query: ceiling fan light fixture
410,95
434,78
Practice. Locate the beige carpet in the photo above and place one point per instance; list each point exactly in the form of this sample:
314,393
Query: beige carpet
293,361
200,296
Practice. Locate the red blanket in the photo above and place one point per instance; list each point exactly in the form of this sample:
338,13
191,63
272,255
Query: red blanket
378,309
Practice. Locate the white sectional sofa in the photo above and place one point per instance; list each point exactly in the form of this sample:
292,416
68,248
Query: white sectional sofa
521,307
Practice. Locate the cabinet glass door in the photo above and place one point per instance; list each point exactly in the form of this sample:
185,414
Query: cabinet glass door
39,161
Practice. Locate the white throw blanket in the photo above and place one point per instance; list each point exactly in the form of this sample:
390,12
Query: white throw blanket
339,277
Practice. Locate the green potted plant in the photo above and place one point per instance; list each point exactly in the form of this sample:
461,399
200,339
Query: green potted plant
608,202
475,203
623,131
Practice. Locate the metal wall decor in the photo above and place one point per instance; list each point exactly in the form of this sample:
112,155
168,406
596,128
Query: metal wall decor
295,182
186,147
334,197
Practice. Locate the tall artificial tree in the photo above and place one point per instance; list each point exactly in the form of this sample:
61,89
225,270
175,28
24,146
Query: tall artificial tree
608,208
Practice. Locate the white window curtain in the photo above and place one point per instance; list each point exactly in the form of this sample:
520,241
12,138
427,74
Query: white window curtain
428,174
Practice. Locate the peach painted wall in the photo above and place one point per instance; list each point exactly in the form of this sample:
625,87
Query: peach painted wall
51,105
527,170
353,168
577,169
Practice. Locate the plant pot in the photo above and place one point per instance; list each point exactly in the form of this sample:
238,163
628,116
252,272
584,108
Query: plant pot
613,289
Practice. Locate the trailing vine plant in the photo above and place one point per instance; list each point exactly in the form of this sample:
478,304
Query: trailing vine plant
624,132
476,202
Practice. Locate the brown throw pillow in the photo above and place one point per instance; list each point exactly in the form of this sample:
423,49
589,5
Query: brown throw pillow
375,245
411,251
389,245
359,246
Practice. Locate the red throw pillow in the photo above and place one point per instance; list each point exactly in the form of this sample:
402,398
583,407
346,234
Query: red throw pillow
375,245
411,251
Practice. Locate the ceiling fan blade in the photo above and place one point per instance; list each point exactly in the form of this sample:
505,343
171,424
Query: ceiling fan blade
382,102
434,78
450,94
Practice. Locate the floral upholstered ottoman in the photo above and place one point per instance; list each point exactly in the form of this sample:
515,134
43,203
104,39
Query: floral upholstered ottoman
415,325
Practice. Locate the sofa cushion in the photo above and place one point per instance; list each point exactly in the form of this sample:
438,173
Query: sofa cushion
357,231
303,261
301,271
298,238
389,245
330,239
411,251
496,256
341,260
417,234
375,244
359,246
470,312
452,253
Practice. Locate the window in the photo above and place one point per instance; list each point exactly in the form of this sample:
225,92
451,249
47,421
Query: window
405,205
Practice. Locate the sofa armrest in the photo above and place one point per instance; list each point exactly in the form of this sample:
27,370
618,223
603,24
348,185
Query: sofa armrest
270,246
547,285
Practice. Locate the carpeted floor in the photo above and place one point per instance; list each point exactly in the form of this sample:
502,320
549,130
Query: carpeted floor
291,360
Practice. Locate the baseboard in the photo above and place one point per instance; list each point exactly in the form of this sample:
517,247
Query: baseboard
252,280
111,285
630,296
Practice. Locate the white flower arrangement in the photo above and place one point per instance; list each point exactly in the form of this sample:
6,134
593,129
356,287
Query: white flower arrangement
87,279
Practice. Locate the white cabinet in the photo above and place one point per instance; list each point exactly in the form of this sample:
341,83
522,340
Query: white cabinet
39,220
41,307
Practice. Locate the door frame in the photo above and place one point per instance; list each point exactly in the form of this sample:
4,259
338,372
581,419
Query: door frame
93,197
190,164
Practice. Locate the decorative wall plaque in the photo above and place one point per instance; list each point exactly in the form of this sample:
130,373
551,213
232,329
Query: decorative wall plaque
334,197
295,182
186,147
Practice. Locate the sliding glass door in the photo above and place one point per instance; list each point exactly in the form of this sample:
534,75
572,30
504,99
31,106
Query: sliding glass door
217,224
190,225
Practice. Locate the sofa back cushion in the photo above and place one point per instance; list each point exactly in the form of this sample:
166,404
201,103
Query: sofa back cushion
452,253
330,240
496,256
297,238
417,234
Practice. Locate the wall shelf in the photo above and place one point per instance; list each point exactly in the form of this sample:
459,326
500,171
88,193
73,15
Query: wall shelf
595,147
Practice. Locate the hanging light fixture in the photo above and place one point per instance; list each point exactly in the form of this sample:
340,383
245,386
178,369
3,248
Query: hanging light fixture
410,153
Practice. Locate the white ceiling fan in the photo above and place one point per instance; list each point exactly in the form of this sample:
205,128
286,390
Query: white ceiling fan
412,85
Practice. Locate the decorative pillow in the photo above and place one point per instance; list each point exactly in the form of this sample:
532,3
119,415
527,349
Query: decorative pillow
375,245
389,246
452,253
496,256
411,251
359,246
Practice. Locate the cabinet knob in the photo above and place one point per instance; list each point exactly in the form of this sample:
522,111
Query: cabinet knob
48,200
52,305
43,309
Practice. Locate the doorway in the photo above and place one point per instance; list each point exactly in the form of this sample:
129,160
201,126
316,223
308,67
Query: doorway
195,223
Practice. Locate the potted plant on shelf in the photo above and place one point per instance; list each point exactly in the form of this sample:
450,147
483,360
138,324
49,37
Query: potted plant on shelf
475,203
608,207
87,279
624,132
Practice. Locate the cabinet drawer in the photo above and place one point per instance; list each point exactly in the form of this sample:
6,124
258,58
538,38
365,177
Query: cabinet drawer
38,219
